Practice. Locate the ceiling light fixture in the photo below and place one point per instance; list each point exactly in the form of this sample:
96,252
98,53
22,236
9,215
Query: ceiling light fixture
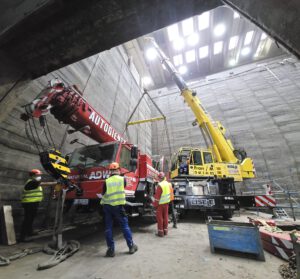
187,26
232,62
248,38
193,39
173,32
219,30
218,47
151,53
203,21
146,81
263,36
190,56
236,15
245,51
182,70
203,52
178,44
178,59
233,42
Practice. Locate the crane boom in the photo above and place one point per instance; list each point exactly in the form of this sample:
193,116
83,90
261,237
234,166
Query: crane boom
68,106
222,148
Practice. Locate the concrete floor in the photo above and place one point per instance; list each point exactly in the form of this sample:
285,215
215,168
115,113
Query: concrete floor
184,253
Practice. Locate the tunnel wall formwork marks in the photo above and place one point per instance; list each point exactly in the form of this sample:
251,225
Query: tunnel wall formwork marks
111,90
260,111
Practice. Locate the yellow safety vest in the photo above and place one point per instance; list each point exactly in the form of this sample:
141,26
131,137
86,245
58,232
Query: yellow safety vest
166,192
115,192
35,195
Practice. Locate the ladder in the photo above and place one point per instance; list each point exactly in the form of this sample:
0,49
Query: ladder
280,212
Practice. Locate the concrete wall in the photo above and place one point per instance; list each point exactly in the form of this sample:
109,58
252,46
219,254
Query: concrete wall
111,90
260,111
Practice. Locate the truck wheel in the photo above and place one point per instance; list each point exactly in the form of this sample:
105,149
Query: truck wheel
227,214
181,213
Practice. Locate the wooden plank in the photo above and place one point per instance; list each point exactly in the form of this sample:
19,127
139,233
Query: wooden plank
8,235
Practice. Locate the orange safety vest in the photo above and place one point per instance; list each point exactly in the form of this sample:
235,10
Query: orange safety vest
171,192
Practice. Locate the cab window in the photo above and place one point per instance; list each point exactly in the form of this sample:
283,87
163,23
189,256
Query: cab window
125,158
197,158
207,158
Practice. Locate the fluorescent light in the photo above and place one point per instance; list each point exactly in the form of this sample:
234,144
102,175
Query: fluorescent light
203,21
178,59
233,42
182,70
173,32
248,38
218,47
236,15
190,56
219,30
203,52
193,39
187,26
245,51
146,81
263,36
263,48
178,44
232,62
151,53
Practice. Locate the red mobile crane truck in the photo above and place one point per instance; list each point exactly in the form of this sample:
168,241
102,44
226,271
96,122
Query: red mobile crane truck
87,167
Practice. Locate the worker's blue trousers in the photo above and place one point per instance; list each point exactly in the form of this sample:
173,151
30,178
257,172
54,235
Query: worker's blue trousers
118,213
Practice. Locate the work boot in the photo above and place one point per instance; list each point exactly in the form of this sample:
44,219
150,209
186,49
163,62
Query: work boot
133,249
175,226
110,253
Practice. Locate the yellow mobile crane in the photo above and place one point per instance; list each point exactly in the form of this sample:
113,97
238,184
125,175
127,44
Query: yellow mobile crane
215,168
220,159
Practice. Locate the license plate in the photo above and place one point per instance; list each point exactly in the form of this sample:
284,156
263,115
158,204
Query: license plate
203,202
81,201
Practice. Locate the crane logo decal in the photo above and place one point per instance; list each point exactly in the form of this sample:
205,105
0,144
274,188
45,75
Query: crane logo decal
99,121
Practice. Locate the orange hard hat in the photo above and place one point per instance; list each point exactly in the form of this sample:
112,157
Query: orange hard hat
161,175
35,172
114,166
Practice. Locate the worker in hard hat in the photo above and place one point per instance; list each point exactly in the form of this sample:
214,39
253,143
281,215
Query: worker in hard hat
113,201
32,196
161,202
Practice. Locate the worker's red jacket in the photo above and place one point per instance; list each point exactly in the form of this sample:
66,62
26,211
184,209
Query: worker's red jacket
158,193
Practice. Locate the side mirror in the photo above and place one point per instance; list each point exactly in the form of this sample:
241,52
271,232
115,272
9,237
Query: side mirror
134,152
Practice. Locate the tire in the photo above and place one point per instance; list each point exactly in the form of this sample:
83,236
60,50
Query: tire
227,214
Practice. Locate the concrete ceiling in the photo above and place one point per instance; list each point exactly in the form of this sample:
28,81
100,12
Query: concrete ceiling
241,42
44,35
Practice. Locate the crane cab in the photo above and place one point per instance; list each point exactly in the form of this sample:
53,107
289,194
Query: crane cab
191,161
199,163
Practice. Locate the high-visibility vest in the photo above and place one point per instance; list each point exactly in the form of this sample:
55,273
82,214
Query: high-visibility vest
115,192
166,192
34,195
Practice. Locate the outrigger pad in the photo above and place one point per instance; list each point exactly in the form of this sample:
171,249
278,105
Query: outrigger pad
54,163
